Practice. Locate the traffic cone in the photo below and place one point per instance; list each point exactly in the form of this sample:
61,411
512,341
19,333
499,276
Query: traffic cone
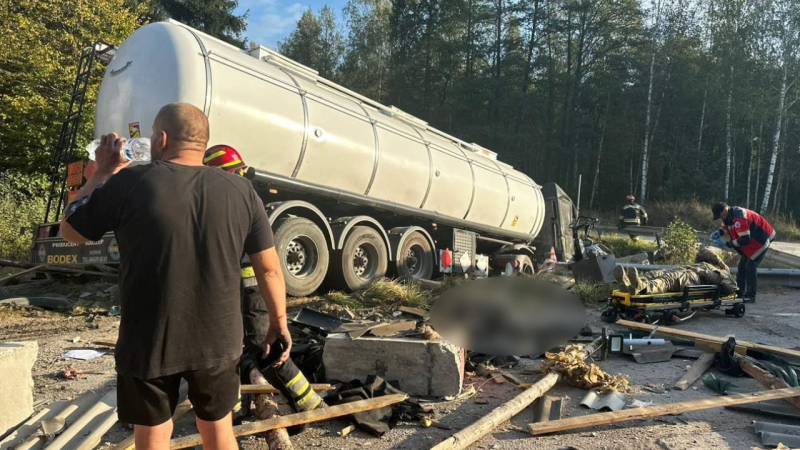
553,254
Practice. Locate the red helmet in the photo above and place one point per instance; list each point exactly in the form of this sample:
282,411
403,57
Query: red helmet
631,198
226,158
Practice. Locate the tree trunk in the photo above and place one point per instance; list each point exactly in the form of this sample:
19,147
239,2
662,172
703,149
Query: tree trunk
750,166
646,148
526,78
700,135
599,153
776,139
266,408
728,150
758,163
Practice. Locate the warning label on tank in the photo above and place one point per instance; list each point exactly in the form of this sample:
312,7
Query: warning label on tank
133,129
514,222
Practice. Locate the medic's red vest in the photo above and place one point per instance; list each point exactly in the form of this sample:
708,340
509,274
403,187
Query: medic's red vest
749,231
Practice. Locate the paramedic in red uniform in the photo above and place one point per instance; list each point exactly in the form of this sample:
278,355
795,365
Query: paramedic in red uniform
750,235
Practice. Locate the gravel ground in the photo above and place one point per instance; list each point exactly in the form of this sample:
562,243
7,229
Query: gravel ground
774,320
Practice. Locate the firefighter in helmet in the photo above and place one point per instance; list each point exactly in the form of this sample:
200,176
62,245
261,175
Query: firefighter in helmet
286,377
632,214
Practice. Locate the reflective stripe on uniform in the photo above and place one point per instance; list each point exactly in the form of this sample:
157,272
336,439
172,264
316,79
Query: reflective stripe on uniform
294,380
248,272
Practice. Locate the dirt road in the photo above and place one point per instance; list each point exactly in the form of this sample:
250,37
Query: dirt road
774,320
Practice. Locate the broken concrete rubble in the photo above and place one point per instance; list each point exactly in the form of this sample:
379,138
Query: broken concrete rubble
16,390
438,366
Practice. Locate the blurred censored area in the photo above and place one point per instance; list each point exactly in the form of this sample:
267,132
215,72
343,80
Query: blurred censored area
508,315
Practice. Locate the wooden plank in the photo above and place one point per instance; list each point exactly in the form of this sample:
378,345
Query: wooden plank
674,332
592,420
767,379
506,411
290,420
268,389
130,442
18,274
695,371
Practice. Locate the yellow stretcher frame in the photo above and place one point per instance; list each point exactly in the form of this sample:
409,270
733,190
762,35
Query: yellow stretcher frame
693,298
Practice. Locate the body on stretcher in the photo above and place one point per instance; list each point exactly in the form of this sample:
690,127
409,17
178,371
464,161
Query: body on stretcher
644,306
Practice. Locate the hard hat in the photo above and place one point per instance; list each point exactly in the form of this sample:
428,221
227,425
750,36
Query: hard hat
226,158
631,198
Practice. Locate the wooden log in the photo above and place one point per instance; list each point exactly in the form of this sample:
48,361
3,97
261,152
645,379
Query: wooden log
506,411
767,379
695,371
19,274
266,408
674,332
268,389
592,420
130,442
315,415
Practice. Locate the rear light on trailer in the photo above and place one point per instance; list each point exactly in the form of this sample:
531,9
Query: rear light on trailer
446,261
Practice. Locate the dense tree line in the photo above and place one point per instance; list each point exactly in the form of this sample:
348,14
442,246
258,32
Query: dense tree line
666,99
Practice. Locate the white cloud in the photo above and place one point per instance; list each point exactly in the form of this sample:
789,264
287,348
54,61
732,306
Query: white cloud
271,20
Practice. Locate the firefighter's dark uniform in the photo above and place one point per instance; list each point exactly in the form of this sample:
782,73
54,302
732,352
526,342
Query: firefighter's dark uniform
632,214
287,377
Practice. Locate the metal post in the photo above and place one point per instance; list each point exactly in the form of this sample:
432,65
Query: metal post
580,178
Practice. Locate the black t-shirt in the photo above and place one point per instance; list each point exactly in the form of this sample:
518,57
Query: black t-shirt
181,232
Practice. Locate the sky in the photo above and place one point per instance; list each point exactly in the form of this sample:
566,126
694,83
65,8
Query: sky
270,21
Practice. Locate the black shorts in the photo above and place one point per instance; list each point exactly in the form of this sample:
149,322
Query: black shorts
213,392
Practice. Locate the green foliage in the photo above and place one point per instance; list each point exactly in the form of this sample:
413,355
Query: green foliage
22,204
680,242
623,246
592,294
41,44
316,42
383,292
215,17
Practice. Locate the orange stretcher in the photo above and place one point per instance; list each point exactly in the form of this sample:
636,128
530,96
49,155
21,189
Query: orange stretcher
645,307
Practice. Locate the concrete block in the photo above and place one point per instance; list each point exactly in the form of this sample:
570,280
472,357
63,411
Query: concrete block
423,368
16,390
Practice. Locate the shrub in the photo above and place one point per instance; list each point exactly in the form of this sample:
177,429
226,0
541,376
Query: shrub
23,199
680,242
592,294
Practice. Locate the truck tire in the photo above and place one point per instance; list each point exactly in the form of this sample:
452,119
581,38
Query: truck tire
363,259
415,258
303,252
526,267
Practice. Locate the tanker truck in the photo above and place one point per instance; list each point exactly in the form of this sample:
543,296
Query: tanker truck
354,190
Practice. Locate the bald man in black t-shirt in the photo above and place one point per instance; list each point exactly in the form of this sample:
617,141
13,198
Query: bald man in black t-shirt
182,229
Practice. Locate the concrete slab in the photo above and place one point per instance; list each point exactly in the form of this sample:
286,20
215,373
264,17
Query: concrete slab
423,368
16,390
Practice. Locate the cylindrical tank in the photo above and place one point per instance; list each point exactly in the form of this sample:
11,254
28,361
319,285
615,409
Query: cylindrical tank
286,120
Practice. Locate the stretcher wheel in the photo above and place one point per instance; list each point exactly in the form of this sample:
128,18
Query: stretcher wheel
610,315
671,317
643,318
738,310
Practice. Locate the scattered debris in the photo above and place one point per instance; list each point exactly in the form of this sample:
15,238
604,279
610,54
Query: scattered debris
76,339
773,434
71,373
639,404
114,311
548,408
778,409
610,401
84,354
427,422
498,379
511,378
55,303
289,420
269,389
317,320
710,341
421,313
430,334
504,412
392,329
571,364
658,410
346,430
695,371
645,354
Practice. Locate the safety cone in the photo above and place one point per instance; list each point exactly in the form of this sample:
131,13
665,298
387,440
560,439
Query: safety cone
553,254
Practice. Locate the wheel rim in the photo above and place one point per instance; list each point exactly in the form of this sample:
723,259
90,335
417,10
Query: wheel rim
365,261
527,270
414,261
301,256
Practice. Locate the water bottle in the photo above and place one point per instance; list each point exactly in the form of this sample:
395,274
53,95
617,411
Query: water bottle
136,150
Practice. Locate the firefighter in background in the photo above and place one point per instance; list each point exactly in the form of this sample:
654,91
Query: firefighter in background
287,377
750,235
632,214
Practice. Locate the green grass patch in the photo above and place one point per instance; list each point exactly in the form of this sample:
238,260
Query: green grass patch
592,294
383,292
623,246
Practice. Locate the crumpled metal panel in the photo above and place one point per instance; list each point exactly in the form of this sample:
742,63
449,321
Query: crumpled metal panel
611,401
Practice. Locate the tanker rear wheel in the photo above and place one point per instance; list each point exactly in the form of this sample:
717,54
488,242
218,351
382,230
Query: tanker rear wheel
303,252
415,258
363,259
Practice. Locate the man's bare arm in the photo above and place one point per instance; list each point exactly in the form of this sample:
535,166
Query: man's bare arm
269,275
